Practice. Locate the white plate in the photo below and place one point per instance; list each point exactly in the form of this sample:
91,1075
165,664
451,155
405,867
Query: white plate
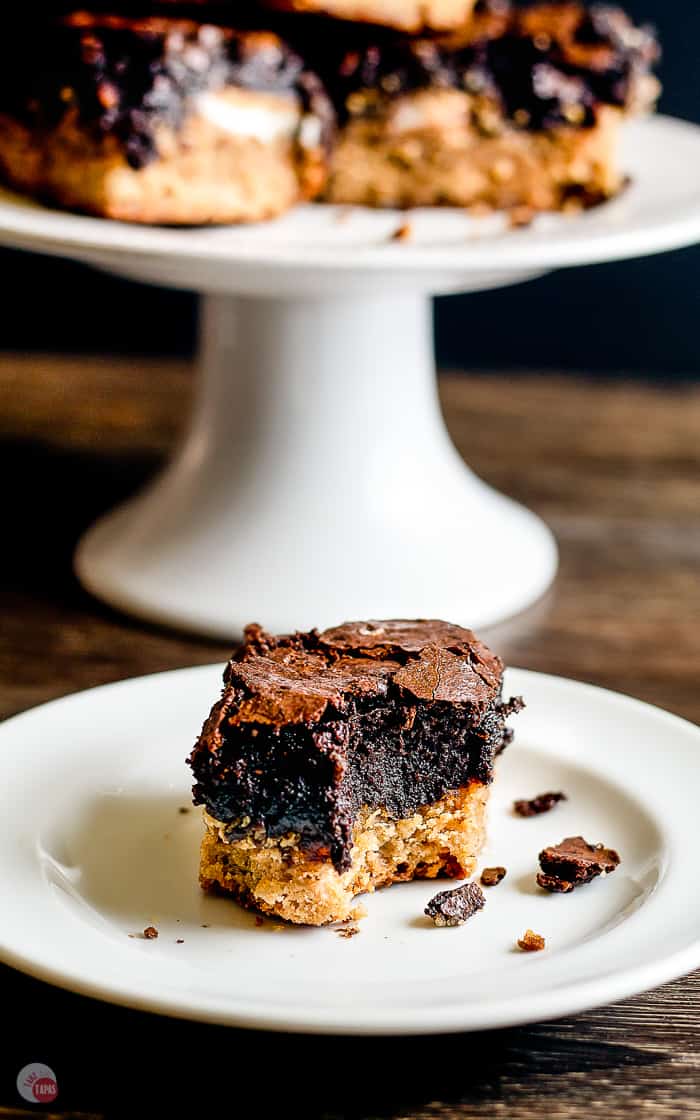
94,848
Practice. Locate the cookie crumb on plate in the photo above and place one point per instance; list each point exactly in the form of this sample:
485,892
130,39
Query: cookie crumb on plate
531,942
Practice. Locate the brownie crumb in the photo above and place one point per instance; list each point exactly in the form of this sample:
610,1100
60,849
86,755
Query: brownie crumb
543,803
513,706
531,942
183,809
574,862
492,876
453,908
402,233
205,925
180,941
347,931
150,933
553,884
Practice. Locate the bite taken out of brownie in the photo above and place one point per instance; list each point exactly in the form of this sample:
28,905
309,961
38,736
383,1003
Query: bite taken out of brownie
335,763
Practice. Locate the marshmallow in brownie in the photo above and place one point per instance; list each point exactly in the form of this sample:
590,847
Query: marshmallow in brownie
160,120
521,108
340,762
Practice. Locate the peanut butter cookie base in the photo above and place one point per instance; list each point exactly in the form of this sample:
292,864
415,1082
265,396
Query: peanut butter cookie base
203,172
276,877
426,149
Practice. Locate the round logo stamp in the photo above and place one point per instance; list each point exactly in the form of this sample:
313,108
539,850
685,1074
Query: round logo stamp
37,1083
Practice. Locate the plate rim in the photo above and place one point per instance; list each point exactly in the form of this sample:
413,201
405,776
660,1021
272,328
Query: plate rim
511,1011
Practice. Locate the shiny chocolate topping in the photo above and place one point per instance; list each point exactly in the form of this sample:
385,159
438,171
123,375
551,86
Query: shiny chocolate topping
296,679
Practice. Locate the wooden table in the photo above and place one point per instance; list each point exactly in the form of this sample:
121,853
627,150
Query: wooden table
615,469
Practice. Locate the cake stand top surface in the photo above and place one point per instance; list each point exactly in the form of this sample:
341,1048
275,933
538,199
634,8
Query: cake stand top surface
315,246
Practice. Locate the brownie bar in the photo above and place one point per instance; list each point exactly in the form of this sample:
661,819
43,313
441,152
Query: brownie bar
340,761
520,108
160,120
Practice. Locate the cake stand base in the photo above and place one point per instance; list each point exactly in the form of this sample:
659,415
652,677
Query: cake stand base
316,482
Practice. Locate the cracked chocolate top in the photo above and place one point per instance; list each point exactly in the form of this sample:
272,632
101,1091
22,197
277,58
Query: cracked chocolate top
546,65
296,679
123,76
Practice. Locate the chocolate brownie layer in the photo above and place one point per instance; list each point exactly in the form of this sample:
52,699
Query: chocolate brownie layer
160,120
312,728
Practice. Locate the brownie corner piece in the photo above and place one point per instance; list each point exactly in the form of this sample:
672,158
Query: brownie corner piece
338,762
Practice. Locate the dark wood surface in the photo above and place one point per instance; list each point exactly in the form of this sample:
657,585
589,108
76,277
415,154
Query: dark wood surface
615,469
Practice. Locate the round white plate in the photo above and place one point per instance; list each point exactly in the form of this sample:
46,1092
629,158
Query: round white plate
94,848
660,210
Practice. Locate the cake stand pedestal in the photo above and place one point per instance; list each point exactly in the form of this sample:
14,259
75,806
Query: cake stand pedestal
316,481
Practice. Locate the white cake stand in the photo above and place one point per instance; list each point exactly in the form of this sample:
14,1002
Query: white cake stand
316,481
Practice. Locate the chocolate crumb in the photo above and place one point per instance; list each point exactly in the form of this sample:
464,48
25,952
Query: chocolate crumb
492,876
183,809
150,933
573,863
402,233
513,706
453,908
347,931
259,921
180,941
205,925
531,942
543,803
553,884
